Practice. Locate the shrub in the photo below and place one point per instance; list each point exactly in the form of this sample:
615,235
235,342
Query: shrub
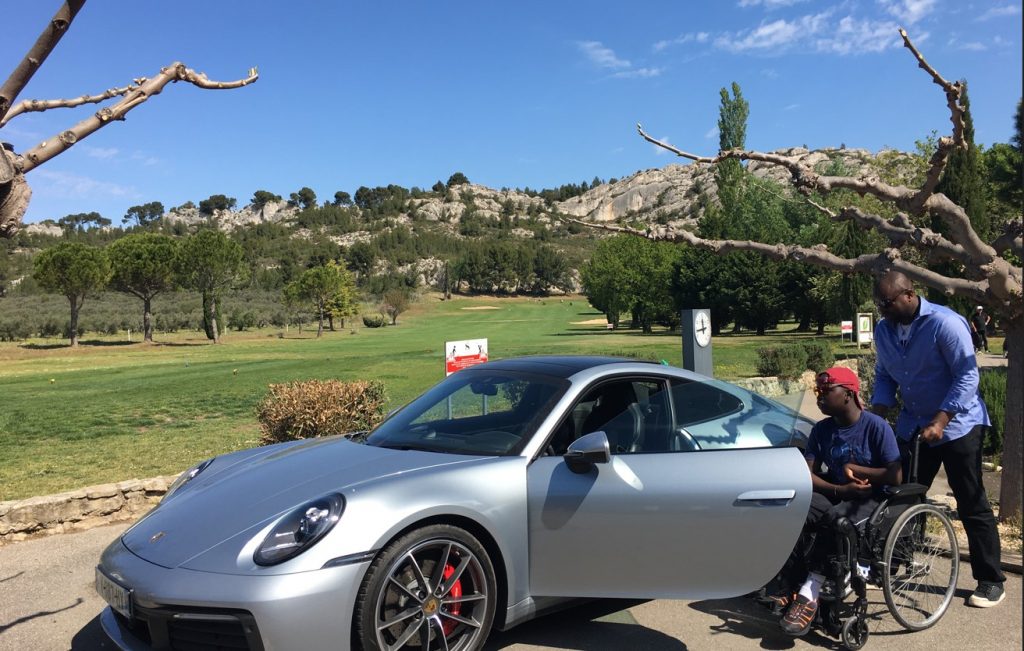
992,388
313,408
819,355
783,361
375,321
866,373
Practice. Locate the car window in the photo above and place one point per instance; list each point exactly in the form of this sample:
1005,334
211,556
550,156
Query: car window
633,413
472,412
714,415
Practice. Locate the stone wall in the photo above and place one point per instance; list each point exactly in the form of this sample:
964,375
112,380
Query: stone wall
80,509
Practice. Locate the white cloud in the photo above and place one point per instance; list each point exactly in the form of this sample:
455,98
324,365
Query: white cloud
791,107
103,153
770,73
661,151
999,12
853,36
601,56
769,4
68,185
605,57
711,133
909,11
144,158
638,73
775,36
692,37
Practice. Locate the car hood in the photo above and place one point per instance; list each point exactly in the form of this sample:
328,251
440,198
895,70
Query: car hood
238,495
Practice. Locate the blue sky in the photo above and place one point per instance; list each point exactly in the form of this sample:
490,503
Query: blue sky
512,94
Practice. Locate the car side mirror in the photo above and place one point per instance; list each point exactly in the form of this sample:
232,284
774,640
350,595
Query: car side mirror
586,451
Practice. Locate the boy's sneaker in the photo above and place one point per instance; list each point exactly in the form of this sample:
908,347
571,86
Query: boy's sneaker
798,618
987,595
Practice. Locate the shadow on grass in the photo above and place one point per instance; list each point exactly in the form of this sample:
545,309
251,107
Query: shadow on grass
81,342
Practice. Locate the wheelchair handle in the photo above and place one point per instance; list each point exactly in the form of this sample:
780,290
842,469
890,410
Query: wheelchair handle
915,447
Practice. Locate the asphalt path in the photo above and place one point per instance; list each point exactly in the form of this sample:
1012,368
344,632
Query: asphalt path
47,603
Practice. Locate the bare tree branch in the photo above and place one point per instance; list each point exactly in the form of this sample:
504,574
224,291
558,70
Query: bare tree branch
30,105
818,255
48,40
1010,239
148,88
953,91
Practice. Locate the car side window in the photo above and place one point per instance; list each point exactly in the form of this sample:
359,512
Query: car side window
711,415
633,413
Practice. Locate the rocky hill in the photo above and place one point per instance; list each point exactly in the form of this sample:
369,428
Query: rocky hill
670,194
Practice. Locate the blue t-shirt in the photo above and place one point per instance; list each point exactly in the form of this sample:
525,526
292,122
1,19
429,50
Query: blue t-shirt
869,442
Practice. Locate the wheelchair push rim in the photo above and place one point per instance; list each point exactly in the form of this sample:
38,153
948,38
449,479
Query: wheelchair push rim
920,566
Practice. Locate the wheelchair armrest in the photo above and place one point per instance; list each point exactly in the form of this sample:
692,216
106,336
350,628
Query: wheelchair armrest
904,490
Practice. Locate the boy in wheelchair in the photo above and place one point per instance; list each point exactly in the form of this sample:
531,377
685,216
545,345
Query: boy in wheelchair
860,452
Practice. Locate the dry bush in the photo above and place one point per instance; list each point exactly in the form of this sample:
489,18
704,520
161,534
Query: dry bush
302,410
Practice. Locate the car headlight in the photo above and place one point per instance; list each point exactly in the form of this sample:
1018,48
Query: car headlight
185,478
300,530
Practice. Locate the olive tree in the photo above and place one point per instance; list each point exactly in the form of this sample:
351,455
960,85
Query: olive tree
982,271
15,192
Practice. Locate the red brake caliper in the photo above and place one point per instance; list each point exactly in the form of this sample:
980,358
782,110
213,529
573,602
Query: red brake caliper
456,591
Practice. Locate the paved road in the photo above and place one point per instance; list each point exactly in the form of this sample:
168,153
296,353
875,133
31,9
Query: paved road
47,604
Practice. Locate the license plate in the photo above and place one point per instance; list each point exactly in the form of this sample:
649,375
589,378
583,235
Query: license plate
119,597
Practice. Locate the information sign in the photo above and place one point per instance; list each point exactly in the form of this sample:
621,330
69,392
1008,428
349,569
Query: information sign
463,354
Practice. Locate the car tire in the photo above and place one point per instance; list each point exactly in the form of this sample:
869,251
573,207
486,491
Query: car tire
432,582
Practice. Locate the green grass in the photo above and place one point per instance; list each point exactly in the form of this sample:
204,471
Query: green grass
110,410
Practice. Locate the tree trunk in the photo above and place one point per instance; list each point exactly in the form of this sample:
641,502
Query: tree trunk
330,322
75,306
1010,484
320,323
214,326
147,319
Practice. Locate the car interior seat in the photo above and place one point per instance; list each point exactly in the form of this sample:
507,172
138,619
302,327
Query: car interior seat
619,416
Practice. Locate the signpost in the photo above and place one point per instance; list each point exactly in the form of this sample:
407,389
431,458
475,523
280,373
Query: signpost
846,328
463,354
865,328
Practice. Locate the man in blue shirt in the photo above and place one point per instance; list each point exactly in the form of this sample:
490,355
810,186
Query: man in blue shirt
861,454
925,351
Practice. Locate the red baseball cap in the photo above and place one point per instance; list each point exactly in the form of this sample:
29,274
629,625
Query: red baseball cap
840,376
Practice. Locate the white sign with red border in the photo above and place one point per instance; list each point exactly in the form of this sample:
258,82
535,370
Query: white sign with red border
463,354
846,327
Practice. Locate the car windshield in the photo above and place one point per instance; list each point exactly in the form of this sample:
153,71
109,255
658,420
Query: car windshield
473,411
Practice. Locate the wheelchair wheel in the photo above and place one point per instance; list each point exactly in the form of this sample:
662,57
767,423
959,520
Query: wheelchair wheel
920,565
855,633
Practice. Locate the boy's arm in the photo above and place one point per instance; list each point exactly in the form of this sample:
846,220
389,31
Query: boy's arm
890,475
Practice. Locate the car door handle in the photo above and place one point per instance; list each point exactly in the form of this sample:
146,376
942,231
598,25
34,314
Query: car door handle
765,498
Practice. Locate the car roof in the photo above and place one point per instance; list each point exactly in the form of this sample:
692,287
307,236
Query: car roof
562,366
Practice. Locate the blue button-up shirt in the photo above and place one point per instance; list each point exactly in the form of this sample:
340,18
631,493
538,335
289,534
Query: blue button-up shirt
935,370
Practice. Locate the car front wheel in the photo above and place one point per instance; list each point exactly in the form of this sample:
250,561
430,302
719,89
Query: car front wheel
433,588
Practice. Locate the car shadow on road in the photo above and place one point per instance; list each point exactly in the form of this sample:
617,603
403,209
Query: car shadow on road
91,637
594,626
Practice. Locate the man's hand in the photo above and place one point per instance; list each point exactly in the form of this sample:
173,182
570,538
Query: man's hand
932,432
857,487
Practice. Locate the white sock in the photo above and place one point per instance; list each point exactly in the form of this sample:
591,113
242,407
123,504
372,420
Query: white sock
812,586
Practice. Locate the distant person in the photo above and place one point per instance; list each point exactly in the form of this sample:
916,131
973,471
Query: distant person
979,328
861,453
924,350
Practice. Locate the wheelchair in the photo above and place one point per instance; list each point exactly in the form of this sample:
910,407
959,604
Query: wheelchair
911,552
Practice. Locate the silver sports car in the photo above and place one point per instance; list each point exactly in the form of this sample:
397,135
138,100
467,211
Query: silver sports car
500,493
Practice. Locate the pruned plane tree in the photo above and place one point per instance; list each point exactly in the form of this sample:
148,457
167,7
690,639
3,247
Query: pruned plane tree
15,192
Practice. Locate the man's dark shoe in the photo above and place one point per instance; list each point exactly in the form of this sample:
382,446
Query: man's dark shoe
797,620
987,595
